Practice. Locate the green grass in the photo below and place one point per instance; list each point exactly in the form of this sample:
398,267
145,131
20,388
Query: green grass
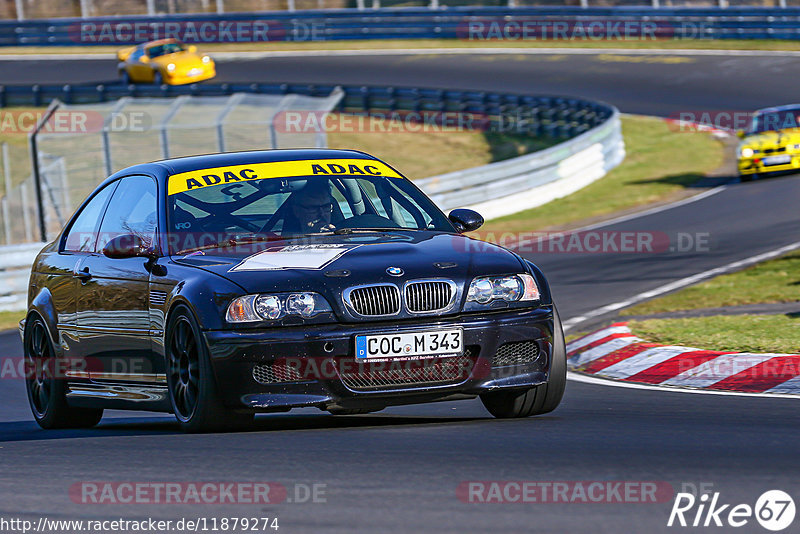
389,44
776,280
660,162
741,333
9,320
420,154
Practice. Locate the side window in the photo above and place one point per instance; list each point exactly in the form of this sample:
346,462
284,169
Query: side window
82,235
132,210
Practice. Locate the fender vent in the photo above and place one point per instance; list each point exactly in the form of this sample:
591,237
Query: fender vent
158,298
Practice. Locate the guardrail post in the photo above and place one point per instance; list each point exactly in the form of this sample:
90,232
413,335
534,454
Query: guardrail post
151,7
584,3
376,4
20,10
434,4
656,4
26,216
723,4
360,4
86,8
782,4
5,206
37,177
220,6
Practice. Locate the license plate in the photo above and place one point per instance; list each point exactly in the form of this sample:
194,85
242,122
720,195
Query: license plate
411,344
776,160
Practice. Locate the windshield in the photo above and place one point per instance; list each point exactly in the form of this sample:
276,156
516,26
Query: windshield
220,206
164,49
776,120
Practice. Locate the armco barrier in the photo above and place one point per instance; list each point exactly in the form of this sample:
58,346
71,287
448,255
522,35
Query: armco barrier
529,181
15,270
592,141
404,23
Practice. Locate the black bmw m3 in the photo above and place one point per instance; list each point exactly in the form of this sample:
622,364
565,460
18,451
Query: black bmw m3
216,287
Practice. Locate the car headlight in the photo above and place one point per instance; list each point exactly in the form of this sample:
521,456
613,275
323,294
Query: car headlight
171,67
513,288
796,147
257,308
747,152
206,59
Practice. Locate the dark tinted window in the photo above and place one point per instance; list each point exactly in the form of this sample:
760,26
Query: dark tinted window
132,210
82,235
292,207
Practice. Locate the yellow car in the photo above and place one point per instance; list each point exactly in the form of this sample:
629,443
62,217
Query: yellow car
165,61
771,144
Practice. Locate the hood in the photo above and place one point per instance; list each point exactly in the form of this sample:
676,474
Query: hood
330,264
180,59
771,140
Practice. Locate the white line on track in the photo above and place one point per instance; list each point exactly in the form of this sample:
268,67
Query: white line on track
636,215
232,56
577,377
683,282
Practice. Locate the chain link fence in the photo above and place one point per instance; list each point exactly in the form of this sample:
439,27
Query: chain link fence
78,146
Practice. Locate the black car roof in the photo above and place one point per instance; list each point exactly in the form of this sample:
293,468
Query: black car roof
207,161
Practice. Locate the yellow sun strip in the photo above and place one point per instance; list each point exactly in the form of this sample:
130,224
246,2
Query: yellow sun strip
189,181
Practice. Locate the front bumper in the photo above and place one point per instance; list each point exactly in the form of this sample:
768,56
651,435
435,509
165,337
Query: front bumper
327,375
204,73
755,165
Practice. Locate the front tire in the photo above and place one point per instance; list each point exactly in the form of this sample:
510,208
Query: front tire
46,390
541,399
158,79
190,379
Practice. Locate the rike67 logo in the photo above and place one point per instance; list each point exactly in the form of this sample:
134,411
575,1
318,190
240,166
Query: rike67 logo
774,510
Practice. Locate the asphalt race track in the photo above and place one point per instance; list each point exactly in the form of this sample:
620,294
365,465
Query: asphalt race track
398,470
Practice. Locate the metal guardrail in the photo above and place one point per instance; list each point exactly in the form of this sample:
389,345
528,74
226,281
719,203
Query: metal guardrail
15,270
529,181
406,23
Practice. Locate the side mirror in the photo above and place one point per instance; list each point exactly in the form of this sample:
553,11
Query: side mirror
127,246
144,59
192,49
740,134
465,220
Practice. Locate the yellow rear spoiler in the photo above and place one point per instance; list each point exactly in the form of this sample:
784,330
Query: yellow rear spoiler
123,54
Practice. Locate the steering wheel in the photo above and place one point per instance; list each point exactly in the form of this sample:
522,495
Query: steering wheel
367,221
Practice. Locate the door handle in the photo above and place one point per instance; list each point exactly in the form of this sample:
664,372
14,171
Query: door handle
84,275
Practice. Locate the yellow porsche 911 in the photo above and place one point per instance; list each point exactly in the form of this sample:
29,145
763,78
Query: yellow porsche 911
771,144
165,61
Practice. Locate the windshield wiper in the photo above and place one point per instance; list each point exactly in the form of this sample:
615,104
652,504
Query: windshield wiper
343,231
232,242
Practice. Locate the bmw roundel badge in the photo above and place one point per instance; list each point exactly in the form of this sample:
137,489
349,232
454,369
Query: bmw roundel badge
395,271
